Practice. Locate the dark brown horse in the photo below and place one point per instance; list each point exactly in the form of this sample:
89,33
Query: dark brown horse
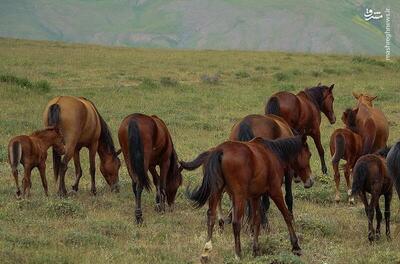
82,126
246,170
371,174
146,143
345,144
302,112
31,152
371,124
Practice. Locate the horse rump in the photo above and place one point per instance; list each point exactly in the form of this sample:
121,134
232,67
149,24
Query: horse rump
393,164
273,106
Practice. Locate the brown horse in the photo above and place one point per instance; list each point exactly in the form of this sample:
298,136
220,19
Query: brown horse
371,124
82,126
146,142
371,174
303,112
31,152
246,170
345,144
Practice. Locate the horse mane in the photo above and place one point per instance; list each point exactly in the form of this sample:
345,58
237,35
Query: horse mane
351,119
105,134
383,151
316,94
285,148
38,133
173,167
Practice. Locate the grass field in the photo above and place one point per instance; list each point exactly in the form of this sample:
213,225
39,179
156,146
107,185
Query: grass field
200,95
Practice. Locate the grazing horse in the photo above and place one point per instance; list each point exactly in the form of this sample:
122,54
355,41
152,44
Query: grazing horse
302,112
146,142
247,170
31,152
345,144
82,126
371,124
371,174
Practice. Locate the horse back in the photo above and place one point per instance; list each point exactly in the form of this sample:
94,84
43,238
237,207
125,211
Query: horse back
289,108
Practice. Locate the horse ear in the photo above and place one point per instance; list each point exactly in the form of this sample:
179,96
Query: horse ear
319,84
371,98
356,110
118,152
356,95
331,87
304,138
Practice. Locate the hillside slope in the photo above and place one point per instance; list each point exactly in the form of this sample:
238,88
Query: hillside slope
318,26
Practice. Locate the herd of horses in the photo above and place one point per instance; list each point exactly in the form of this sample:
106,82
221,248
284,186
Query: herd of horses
263,153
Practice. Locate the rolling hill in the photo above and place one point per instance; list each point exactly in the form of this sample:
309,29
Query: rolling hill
318,26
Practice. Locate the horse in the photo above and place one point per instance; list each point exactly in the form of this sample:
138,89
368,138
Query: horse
371,123
345,144
82,126
31,152
371,174
247,170
302,111
146,143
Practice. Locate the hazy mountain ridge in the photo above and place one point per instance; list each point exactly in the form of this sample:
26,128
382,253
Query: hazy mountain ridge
302,26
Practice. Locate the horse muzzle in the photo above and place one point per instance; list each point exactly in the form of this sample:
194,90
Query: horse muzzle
309,183
332,120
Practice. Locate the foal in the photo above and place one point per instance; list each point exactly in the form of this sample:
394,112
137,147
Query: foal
371,174
345,144
31,152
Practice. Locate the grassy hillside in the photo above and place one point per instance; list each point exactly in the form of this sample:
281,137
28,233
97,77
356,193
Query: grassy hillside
320,26
199,114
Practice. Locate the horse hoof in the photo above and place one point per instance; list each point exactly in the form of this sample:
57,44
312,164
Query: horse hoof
377,236
139,220
256,252
297,252
93,192
204,259
62,194
157,208
74,188
221,224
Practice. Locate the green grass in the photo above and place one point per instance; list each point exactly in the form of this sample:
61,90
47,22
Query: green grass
199,113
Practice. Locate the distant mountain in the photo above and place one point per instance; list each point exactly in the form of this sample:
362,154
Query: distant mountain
319,26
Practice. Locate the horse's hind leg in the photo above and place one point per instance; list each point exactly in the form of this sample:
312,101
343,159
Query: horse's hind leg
156,181
378,221
264,207
26,181
255,206
42,172
78,170
238,210
347,174
388,199
277,197
288,192
211,216
335,166
221,221
137,190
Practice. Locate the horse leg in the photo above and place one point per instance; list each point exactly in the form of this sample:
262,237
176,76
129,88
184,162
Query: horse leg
378,221
347,174
26,181
388,199
277,197
92,167
42,172
211,215
156,182
15,174
137,190
221,221
62,190
288,192
369,210
237,215
164,167
78,170
255,206
317,140
335,166
265,203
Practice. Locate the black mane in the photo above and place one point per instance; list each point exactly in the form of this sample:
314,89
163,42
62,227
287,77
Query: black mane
383,151
351,119
285,148
316,94
173,173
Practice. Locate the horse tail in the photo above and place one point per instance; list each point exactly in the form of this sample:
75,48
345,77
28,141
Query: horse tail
213,180
370,136
360,175
339,148
197,162
15,154
273,106
393,164
136,154
53,119
245,132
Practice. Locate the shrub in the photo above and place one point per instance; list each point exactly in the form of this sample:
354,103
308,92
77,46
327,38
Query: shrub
41,86
148,84
213,79
242,74
366,60
79,239
64,208
168,81
281,76
260,68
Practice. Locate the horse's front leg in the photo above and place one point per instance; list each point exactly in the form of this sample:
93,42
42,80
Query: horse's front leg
156,181
316,136
78,170
92,162
42,172
164,167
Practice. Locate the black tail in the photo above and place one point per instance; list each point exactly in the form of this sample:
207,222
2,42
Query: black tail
136,154
273,106
15,154
197,162
53,119
339,148
360,175
213,180
393,163
245,132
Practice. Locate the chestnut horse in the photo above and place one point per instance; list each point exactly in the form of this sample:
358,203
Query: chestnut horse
302,112
247,170
345,144
371,174
31,152
146,142
82,126
371,124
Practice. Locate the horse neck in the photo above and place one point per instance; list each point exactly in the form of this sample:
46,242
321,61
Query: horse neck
44,140
103,152
312,101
